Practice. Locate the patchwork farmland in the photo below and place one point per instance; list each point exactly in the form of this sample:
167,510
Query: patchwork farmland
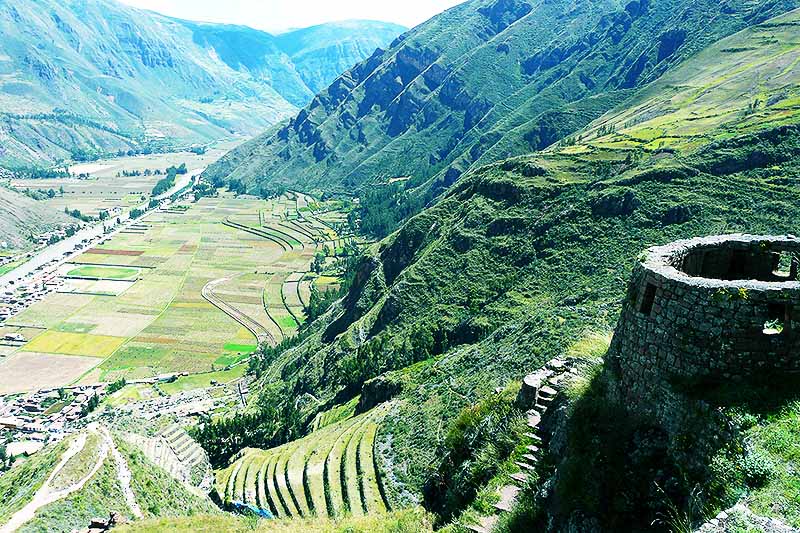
182,291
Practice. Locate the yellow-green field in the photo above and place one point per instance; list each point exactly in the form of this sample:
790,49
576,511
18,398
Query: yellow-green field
162,322
104,272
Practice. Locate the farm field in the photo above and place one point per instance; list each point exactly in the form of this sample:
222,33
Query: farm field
104,272
181,292
104,190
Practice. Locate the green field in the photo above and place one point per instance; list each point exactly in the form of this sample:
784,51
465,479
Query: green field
201,381
304,478
95,272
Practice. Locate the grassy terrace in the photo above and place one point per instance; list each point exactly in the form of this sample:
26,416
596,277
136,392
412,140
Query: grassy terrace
329,472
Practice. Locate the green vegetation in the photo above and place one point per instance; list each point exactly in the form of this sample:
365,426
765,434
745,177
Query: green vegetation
518,259
401,128
97,272
404,521
167,182
100,496
158,494
329,472
19,484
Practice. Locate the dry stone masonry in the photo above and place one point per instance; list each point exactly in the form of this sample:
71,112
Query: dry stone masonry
707,310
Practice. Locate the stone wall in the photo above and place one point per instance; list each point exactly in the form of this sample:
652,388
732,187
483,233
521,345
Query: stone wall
707,310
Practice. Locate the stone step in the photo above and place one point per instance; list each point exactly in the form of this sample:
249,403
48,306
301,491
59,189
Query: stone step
508,496
534,437
533,419
525,466
519,478
531,459
487,524
547,392
540,408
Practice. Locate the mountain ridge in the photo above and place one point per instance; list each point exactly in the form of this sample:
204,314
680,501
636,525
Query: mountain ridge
483,81
135,78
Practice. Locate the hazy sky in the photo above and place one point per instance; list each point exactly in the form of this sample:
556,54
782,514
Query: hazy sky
276,15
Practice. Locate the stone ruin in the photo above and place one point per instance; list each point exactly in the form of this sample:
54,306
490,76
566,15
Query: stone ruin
705,311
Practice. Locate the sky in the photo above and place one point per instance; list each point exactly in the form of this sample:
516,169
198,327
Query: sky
279,15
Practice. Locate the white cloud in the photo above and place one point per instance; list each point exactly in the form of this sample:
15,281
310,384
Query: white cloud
276,15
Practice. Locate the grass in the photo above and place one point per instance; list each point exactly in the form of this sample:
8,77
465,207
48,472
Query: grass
66,343
96,272
201,381
157,493
413,520
315,468
19,484
777,440
100,496
79,465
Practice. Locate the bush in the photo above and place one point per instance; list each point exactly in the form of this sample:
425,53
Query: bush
479,441
758,469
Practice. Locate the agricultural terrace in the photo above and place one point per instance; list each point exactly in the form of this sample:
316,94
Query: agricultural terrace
182,291
331,472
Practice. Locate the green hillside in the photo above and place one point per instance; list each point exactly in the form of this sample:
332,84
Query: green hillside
483,81
521,258
87,78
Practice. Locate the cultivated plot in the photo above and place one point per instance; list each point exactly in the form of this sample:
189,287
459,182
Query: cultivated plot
134,305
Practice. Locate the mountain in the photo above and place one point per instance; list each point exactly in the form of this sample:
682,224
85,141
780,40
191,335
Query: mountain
299,63
87,77
527,259
322,53
485,80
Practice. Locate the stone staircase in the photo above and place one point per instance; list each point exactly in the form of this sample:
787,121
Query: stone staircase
538,390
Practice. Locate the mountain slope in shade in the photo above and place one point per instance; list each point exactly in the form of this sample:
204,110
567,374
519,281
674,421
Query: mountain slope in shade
485,80
83,77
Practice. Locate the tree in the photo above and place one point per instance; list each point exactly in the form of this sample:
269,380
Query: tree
319,261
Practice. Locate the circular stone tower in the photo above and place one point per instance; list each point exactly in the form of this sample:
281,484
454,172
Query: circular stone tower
706,311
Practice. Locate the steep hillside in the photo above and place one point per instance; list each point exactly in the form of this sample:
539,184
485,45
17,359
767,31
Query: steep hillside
90,474
485,80
21,217
81,78
522,257
300,63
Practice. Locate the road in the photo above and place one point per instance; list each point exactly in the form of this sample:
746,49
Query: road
93,232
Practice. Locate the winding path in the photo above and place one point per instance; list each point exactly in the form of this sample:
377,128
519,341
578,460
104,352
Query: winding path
123,474
46,495
252,325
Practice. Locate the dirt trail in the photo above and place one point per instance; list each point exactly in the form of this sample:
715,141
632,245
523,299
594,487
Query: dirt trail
46,495
123,474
